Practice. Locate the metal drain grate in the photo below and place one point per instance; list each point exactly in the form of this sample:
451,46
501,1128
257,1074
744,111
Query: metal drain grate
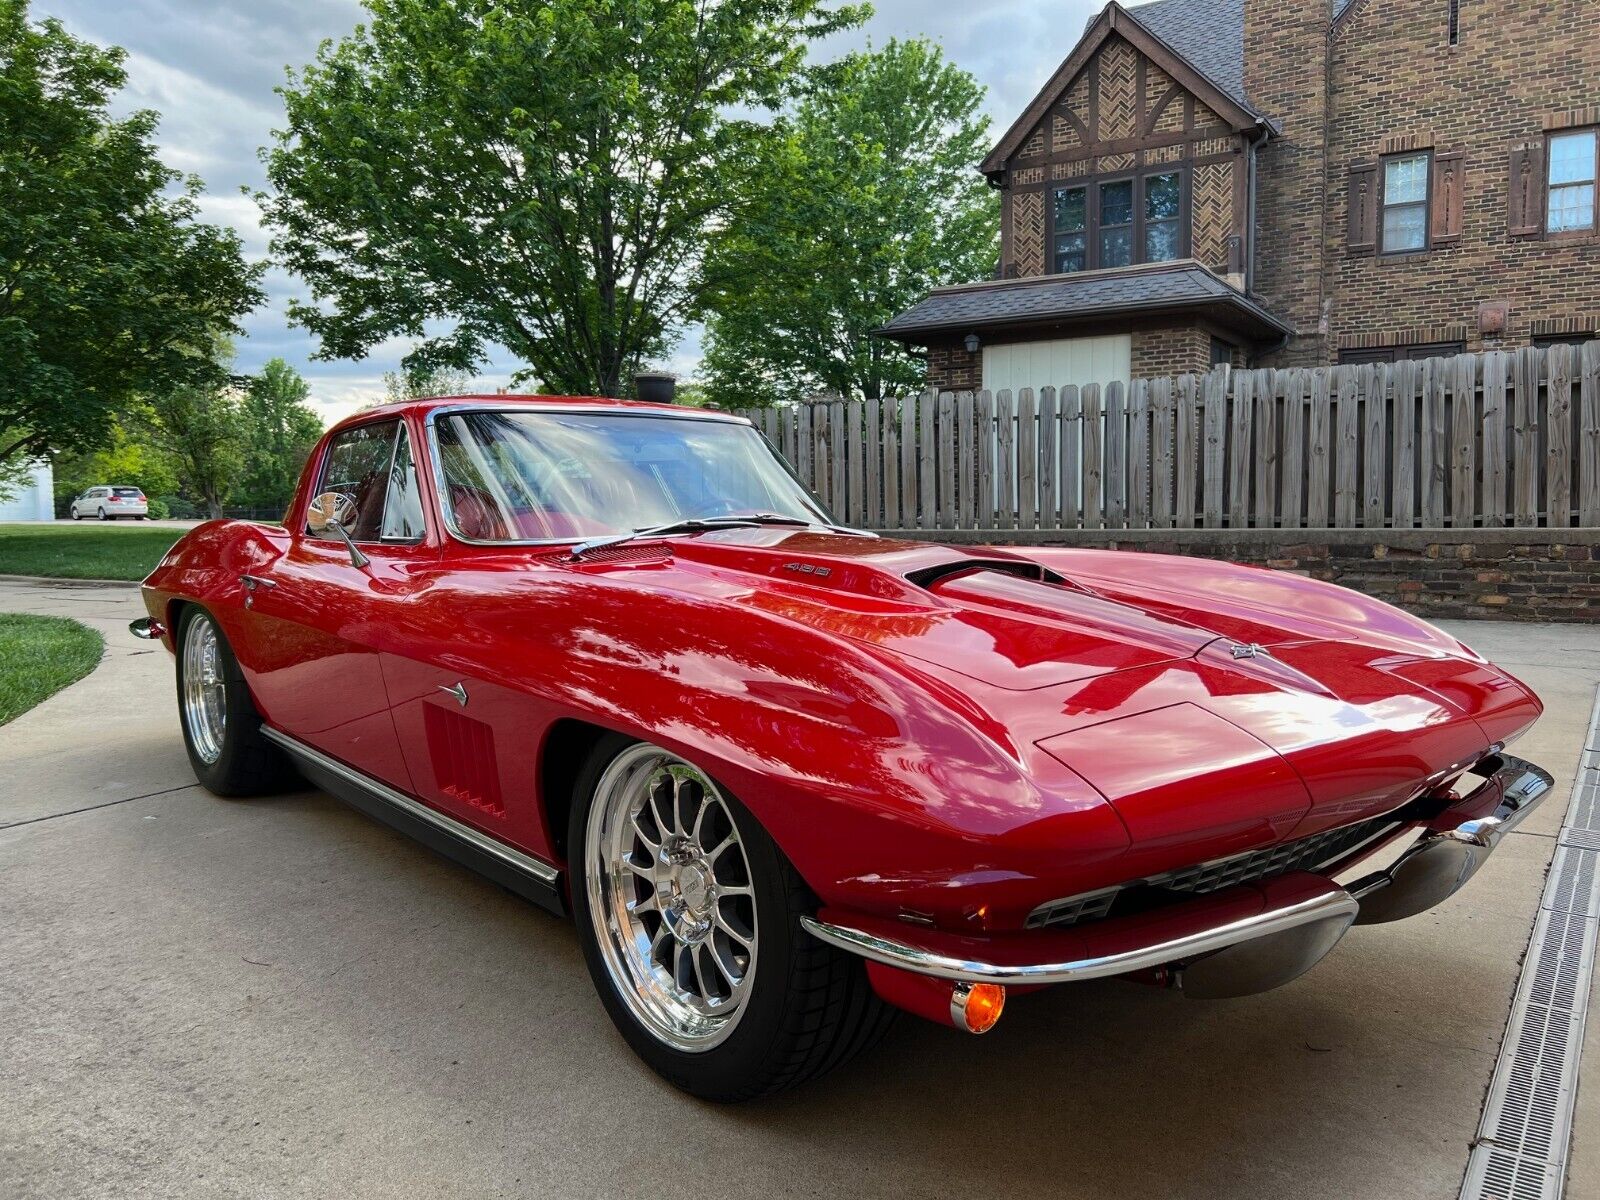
1521,1149
1584,839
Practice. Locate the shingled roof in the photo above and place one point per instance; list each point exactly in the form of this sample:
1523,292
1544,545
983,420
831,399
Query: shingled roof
1208,34
1086,297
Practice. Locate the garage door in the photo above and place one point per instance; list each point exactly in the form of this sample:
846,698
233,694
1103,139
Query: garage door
1057,363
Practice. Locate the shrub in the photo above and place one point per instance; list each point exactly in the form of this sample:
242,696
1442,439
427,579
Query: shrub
178,508
158,509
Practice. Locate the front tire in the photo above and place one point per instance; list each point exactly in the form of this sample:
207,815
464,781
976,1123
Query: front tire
689,917
221,727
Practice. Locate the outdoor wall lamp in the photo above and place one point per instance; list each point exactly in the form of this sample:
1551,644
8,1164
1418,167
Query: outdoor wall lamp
972,343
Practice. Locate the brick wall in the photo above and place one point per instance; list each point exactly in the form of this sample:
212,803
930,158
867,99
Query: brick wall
951,367
1285,76
1177,351
1505,574
1518,67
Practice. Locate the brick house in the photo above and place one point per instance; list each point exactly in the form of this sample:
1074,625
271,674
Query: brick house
1269,182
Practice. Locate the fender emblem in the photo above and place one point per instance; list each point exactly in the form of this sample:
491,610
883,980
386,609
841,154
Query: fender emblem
459,691
1252,650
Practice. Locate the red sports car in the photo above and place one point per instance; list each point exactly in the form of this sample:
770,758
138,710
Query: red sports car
790,777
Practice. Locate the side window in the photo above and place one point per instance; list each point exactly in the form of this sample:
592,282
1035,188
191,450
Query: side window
402,508
366,464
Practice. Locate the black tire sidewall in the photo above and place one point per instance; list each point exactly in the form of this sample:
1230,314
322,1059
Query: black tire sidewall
734,1068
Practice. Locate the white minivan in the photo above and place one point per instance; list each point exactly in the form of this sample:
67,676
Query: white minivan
108,503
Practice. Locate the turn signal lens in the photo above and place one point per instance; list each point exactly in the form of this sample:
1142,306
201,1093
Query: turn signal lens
977,1006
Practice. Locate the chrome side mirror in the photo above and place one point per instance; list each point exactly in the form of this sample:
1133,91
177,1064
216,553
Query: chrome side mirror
332,513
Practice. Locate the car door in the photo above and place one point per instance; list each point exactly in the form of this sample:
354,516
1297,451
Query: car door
317,620
470,737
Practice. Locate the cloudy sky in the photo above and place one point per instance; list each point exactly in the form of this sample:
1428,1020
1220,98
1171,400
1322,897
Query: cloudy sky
209,68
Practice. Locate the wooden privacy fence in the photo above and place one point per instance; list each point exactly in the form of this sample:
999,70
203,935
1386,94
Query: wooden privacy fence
1503,438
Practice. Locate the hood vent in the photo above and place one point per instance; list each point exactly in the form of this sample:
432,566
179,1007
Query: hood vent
928,576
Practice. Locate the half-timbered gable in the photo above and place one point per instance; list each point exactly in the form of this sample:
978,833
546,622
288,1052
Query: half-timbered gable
1123,158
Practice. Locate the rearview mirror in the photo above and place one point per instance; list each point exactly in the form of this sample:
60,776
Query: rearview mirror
332,513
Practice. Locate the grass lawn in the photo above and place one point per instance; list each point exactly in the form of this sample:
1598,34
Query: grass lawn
39,656
95,551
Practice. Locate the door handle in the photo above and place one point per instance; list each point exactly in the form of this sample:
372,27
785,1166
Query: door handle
251,583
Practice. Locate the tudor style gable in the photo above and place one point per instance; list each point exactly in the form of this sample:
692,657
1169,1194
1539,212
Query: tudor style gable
1128,155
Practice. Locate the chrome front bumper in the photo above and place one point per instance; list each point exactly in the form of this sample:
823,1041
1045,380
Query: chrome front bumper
1452,849
1247,939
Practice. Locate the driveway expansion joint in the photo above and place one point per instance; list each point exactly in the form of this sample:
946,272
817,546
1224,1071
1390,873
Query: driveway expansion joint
183,787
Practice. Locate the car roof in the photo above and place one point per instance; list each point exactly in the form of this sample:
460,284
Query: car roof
423,406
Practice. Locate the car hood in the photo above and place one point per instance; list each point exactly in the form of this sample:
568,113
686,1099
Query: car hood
1337,707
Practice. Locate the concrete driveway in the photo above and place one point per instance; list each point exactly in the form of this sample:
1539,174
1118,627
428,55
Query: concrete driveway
201,997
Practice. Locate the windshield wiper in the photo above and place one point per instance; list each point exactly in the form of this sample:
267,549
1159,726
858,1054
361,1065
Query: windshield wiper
697,524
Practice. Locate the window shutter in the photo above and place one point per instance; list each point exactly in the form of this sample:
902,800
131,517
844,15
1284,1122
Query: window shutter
1362,232
1449,183
1525,206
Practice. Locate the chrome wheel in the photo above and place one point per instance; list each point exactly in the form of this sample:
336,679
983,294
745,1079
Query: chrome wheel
205,700
671,896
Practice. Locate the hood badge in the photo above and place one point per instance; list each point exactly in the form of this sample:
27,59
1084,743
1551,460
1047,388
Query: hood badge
809,569
1249,650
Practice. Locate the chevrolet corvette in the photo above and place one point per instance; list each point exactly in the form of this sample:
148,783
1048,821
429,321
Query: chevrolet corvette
789,778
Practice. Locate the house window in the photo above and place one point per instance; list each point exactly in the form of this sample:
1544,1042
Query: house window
1404,224
1545,341
1072,229
1571,181
1389,354
1118,222
1163,195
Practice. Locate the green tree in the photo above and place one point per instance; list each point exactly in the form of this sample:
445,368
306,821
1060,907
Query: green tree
200,429
437,381
279,431
107,281
867,199
539,174
128,458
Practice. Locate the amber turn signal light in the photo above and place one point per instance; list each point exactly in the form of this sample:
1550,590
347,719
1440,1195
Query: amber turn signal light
976,1007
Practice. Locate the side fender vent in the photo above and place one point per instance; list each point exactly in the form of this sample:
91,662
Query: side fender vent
462,752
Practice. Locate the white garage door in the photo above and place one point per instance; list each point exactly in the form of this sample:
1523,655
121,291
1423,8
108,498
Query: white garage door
1058,363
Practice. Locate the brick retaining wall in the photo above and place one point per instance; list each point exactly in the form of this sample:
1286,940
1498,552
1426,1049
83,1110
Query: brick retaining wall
1506,574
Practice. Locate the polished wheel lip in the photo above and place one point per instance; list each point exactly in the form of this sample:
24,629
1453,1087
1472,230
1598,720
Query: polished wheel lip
205,689
655,891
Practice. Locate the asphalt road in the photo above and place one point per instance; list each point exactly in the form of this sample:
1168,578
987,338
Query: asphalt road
201,997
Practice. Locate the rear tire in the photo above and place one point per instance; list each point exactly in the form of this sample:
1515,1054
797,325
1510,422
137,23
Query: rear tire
104,516
221,727
781,1009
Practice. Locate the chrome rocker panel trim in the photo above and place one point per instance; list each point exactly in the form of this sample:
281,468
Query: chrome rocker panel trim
1313,926
1441,862
529,877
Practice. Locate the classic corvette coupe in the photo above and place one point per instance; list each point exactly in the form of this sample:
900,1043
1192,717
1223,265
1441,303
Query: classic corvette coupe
790,777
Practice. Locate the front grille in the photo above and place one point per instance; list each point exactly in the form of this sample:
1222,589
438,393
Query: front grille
1303,854
1300,855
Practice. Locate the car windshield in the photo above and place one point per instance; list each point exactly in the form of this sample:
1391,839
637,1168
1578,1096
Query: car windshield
556,476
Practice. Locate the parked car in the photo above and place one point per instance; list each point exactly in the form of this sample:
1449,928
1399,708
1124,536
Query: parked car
109,503
789,777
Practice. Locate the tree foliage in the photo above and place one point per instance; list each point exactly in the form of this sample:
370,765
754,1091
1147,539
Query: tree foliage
107,281
537,174
866,199
279,431
436,381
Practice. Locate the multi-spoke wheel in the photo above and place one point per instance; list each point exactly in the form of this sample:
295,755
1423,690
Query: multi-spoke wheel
689,916
205,700
221,727
670,896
